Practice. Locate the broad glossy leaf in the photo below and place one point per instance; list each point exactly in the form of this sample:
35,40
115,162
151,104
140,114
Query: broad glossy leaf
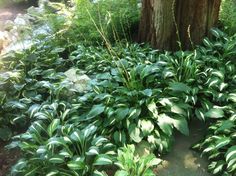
122,173
231,152
76,164
121,113
95,111
102,160
178,110
222,142
165,123
53,126
215,113
153,109
53,173
57,159
200,114
120,137
181,125
146,126
134,133
180,87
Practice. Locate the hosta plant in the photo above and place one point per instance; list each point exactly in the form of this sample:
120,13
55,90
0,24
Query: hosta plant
131,164
219,147
62,149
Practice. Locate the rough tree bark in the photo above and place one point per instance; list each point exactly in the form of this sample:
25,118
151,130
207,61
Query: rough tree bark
161,18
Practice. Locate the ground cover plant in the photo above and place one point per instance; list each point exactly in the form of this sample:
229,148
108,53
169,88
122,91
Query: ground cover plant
135,95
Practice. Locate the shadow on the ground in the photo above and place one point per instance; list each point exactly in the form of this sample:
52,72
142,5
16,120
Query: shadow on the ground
182,161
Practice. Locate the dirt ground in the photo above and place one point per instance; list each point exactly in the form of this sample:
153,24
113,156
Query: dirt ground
7,159
182,161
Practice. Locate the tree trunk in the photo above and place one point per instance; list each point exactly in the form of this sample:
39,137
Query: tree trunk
165,22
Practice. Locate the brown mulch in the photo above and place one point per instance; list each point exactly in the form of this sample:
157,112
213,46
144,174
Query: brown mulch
7,159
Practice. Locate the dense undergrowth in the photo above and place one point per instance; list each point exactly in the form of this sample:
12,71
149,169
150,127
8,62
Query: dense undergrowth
132,95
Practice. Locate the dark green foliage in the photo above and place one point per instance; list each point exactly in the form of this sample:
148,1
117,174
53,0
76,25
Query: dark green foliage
228,16
137,94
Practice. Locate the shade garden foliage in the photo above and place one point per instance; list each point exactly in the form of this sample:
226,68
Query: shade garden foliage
135,95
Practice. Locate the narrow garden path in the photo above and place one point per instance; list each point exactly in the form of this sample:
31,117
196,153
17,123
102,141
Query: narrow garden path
182,161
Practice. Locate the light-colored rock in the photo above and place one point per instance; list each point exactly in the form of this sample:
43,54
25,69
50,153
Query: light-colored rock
80,81
4,40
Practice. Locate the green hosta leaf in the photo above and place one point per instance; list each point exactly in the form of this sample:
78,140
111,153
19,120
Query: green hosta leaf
181,125
153,109
95,111
57,50
180,87
76,164
200,115
146,126
41,150
222,142
53,126
148,70
135,133
57,159
215,113
218,73
56,141
120,137
231,153
66,153
223,86
216,167
165,123
178,110
121,113
225,125
89,130
154,161
77,136
213,81
232,97
98,173
33,109
65,114
99,141
208,149
231,167
147,92
93,151
207,43
53,173
216,32
104,76
122,173
165,102
16,104
102,160
134,113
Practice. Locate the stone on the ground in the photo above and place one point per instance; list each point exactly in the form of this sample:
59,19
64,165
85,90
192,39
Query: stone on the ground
79,80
